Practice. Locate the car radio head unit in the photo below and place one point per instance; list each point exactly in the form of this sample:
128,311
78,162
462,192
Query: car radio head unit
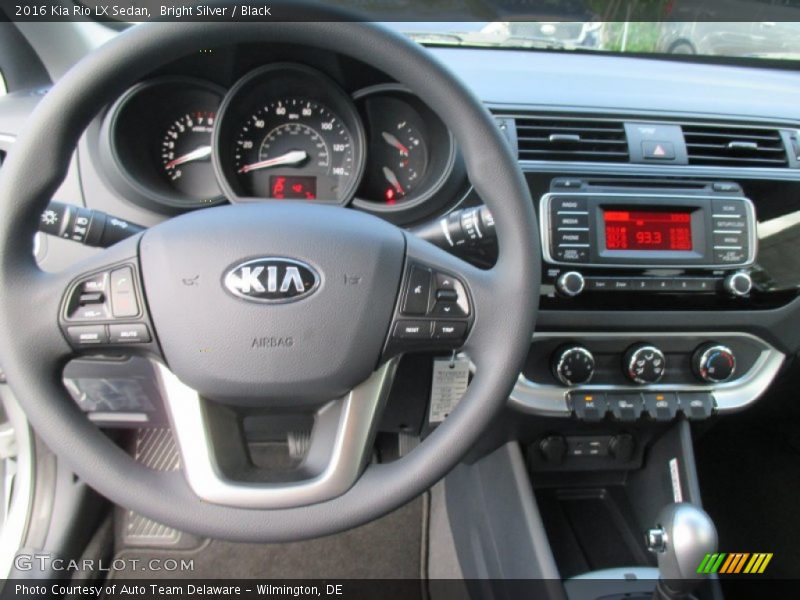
648,228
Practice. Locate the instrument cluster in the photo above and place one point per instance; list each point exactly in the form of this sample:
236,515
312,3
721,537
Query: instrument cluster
284,131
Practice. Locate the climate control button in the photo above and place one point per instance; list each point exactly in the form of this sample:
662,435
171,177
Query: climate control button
644,364
573,365
714,363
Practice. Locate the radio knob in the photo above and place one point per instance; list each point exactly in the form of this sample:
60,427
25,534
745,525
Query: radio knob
738,284
644,364
573,365
714,363
570,283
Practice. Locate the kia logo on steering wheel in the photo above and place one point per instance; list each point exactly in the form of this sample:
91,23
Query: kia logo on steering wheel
271,279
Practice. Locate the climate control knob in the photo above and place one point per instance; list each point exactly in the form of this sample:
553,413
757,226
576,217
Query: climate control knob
573,365
714,363
644,364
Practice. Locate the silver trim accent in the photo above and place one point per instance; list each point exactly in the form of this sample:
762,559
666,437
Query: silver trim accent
229,280
349,450
18,510
561,285
729,284
551,401
118,417
544,230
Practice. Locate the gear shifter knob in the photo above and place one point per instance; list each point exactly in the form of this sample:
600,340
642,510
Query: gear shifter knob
684,534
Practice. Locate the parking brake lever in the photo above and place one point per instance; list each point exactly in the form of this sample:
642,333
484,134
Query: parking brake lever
85,226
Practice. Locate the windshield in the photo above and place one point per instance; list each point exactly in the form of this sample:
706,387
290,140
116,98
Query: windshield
765,39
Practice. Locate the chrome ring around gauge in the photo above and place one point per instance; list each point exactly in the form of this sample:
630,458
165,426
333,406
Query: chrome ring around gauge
155,143
288,132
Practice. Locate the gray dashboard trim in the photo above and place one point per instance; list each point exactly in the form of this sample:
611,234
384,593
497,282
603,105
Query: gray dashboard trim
552,401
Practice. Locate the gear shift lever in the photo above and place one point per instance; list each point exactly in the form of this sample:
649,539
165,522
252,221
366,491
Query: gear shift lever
684,534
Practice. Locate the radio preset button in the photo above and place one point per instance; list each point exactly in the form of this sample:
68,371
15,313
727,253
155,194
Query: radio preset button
598,284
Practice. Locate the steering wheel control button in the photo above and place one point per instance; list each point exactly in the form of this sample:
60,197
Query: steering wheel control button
589,406
714,363
96,283
82,335
573,365
449,330
644,364
661,406
696,405
418,291
413,330
570,284
626,407
135,333
123,293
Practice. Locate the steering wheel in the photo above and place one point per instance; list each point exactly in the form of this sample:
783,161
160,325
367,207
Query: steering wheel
336,360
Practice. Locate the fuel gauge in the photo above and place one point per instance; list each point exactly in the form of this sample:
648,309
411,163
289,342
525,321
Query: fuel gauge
404,160
410,152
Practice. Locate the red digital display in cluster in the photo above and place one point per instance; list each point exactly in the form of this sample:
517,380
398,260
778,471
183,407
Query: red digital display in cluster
284,187
648,230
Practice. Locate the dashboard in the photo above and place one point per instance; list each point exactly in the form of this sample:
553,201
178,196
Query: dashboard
279,123
282,131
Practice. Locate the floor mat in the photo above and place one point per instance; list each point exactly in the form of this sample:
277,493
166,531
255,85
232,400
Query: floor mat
389,548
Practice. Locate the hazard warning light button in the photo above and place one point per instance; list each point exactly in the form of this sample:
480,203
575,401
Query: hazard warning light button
653,150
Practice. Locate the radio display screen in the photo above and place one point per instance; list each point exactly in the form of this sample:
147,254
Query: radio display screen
648,230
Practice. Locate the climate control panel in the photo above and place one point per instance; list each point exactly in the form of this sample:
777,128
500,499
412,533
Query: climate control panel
628,376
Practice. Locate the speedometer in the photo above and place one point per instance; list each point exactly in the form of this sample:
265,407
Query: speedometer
294,148
288,132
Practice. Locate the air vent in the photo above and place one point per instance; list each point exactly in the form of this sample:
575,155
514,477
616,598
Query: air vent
734,146
542,137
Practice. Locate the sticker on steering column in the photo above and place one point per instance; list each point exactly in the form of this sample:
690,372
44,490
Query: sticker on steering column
450,380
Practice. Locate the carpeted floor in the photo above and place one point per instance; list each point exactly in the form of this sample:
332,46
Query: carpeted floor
389,548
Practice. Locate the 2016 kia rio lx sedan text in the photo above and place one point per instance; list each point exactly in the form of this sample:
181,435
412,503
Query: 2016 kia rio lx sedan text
324,306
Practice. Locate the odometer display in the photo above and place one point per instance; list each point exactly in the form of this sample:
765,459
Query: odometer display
299,140
648,230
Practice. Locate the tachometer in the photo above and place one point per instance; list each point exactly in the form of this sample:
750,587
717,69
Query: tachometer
294,148
185,154
288,132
